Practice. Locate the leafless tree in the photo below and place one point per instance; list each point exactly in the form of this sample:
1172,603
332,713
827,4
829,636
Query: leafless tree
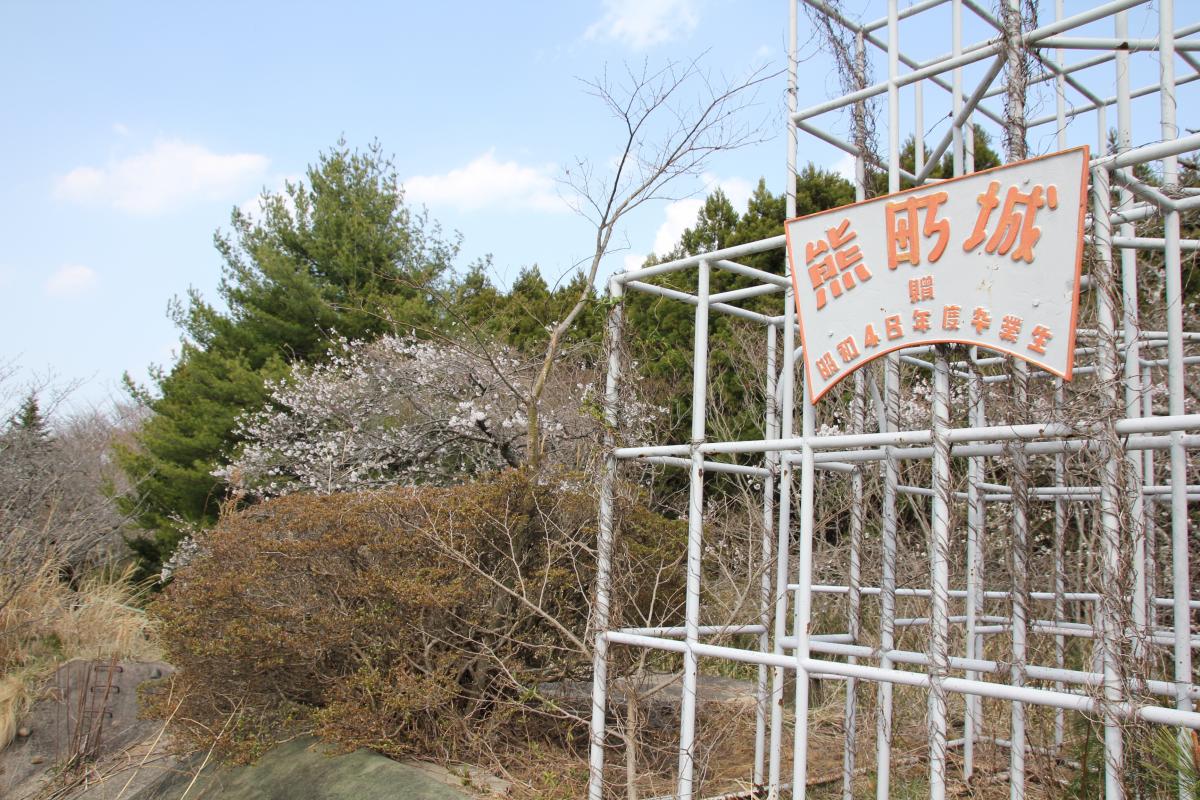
58,485
673,120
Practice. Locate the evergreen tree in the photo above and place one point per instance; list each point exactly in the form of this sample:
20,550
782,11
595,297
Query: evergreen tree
985,158
715,223
338,254
28,420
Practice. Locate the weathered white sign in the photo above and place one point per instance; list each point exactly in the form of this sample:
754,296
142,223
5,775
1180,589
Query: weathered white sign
989,259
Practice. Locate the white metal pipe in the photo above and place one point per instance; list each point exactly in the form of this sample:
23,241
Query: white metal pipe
727,265
939,579
1156,151
1075,702
1099,104
970,55
703,630
1110,557
675,294
742,294
976,666
601,608
803,601
854,597
1124,427
847,147
710,466
903,13
1131,356
1033,448
1180,522
762,694
718,257
1123,47
976,525
695,547
959,594
999,691
891,388
858,413
783,537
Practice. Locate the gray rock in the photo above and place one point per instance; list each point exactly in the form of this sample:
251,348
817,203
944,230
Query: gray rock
302,770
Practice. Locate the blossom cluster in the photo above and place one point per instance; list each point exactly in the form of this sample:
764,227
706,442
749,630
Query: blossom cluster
401,410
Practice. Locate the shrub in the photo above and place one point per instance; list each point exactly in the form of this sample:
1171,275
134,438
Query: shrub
416,620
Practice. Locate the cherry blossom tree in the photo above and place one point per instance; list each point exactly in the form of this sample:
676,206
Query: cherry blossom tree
400,410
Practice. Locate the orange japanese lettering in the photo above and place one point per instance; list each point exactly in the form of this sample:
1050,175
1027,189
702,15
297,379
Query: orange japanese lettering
981,319
827,366
1010,328
892,326
1016,222
1040,335
834,262
847,349
920,289
903,237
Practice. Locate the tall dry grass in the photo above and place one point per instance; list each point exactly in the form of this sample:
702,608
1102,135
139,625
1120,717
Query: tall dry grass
45,622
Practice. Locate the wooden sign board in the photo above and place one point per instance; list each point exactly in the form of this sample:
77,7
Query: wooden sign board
990,259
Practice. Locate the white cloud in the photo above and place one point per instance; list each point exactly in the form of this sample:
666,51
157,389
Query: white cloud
644,23
633,261
844,166
169,174
71,280
681,214
120,129
488,182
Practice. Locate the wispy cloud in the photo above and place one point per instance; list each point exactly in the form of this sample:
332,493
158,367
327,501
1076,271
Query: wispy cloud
72,280
487,182
168,175
640,24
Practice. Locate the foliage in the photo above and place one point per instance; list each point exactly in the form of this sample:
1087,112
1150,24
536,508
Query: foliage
664,328
412,620
335,254
404,411
478,313
29,420
984,158
1156,761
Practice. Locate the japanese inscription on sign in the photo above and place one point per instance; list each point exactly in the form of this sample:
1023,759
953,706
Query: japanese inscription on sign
989,259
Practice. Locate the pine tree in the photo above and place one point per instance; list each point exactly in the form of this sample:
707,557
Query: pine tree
28,420
338,254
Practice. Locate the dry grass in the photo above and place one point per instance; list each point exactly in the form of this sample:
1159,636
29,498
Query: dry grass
45,622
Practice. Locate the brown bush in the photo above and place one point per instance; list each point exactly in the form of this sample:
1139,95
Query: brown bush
412,621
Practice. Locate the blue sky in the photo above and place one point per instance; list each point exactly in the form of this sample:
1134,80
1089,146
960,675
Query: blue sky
134,128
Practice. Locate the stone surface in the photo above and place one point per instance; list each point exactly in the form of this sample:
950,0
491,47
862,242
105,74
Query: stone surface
92,707
302,770
87,706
